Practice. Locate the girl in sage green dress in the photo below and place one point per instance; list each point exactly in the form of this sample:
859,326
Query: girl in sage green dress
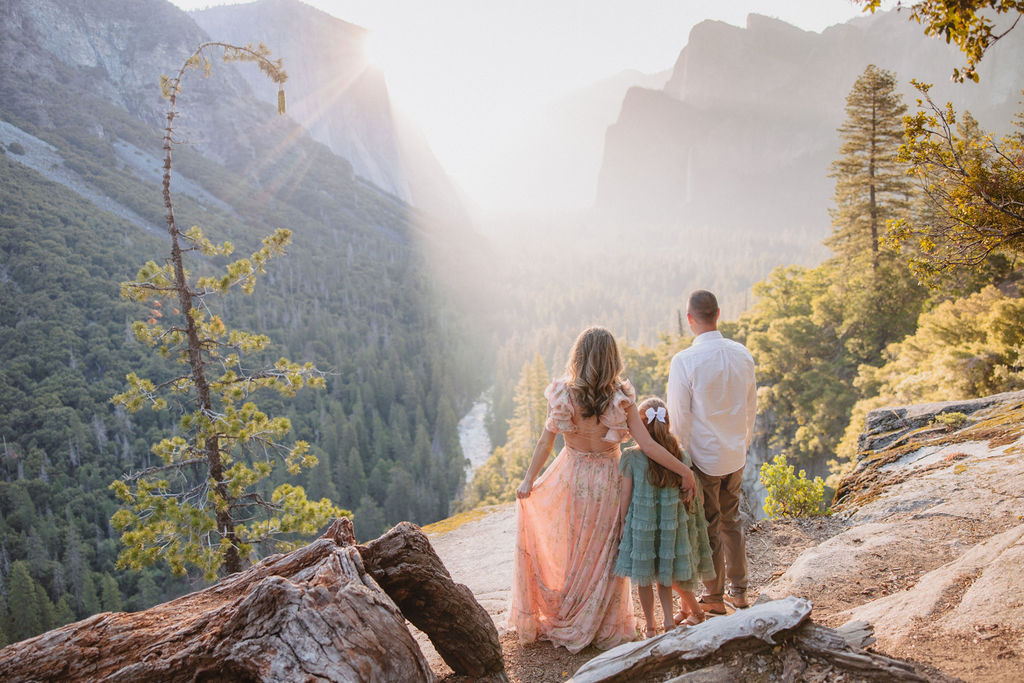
664,536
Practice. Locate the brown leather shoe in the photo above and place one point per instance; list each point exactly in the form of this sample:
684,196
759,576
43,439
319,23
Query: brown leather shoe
738,601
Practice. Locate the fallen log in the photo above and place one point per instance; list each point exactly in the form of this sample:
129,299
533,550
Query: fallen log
316,614
407,568
631,661
758,630
835,647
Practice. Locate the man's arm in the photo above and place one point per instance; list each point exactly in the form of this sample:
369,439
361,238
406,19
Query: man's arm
677,398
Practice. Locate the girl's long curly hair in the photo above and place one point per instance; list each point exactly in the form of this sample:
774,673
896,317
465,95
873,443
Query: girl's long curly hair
593,371
656,474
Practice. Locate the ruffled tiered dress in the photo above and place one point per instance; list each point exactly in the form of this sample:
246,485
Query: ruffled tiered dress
563,588
662,541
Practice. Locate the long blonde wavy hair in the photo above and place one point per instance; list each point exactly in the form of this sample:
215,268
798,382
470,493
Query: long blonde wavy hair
593,371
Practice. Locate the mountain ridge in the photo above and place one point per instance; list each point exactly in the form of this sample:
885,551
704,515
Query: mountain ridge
340,98
765,103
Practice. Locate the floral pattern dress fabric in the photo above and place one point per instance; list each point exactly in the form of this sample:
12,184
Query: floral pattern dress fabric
567,532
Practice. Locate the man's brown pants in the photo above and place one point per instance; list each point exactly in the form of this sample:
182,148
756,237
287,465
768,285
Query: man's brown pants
728,548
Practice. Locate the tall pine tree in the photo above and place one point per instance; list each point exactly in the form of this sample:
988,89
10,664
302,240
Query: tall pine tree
873,294
871,186
208,504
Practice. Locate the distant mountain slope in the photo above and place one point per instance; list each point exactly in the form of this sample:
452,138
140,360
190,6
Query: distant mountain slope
742,135
338,96
80,128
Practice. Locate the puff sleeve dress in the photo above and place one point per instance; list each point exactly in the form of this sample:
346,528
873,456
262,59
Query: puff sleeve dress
567,532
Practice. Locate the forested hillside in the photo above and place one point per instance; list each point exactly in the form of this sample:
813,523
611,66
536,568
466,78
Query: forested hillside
357,294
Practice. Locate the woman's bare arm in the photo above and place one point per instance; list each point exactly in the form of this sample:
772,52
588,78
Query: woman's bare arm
656,452
540,456
625,496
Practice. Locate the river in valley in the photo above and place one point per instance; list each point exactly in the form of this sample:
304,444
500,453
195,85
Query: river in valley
473,437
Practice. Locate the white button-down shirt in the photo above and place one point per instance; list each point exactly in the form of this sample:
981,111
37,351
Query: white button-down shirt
712,402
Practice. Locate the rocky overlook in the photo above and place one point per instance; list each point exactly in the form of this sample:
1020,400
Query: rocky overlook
925,545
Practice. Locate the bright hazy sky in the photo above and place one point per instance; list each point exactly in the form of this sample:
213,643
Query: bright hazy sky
463,69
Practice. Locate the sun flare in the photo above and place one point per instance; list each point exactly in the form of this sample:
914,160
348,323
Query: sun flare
381,51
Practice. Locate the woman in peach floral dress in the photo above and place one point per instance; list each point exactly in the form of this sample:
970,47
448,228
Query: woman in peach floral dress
567,521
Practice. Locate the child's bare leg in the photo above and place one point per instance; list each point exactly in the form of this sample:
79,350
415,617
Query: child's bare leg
646,595
690,606
665,596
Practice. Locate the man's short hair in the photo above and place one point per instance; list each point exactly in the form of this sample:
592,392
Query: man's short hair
703,306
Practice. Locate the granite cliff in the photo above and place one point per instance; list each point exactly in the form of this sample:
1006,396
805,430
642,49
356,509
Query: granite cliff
742,135
339,97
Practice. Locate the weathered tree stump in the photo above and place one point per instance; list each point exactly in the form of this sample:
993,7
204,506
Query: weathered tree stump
315,614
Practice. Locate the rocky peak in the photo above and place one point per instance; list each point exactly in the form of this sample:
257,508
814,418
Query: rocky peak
753,146
338,96
722,62
122,47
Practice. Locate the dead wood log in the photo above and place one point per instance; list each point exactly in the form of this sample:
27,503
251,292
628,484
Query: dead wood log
313,615
405,565
834,647
859,634
758,624
752,630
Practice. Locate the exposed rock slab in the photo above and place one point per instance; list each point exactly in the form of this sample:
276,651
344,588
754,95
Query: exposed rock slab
884,426
991,570
933,554
479,555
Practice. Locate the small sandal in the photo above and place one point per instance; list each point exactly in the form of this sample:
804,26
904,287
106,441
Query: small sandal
650,632
693,620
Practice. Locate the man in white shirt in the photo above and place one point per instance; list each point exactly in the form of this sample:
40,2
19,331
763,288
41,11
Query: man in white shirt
712,401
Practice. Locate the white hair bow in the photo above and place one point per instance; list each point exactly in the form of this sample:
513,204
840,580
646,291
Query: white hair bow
653,414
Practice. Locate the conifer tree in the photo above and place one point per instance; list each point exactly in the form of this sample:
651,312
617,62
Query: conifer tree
205,506
873,298
5,619
63,613
28,615
871,186
110,594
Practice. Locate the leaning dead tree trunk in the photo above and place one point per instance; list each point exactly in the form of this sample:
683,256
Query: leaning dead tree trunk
409,571
316,614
